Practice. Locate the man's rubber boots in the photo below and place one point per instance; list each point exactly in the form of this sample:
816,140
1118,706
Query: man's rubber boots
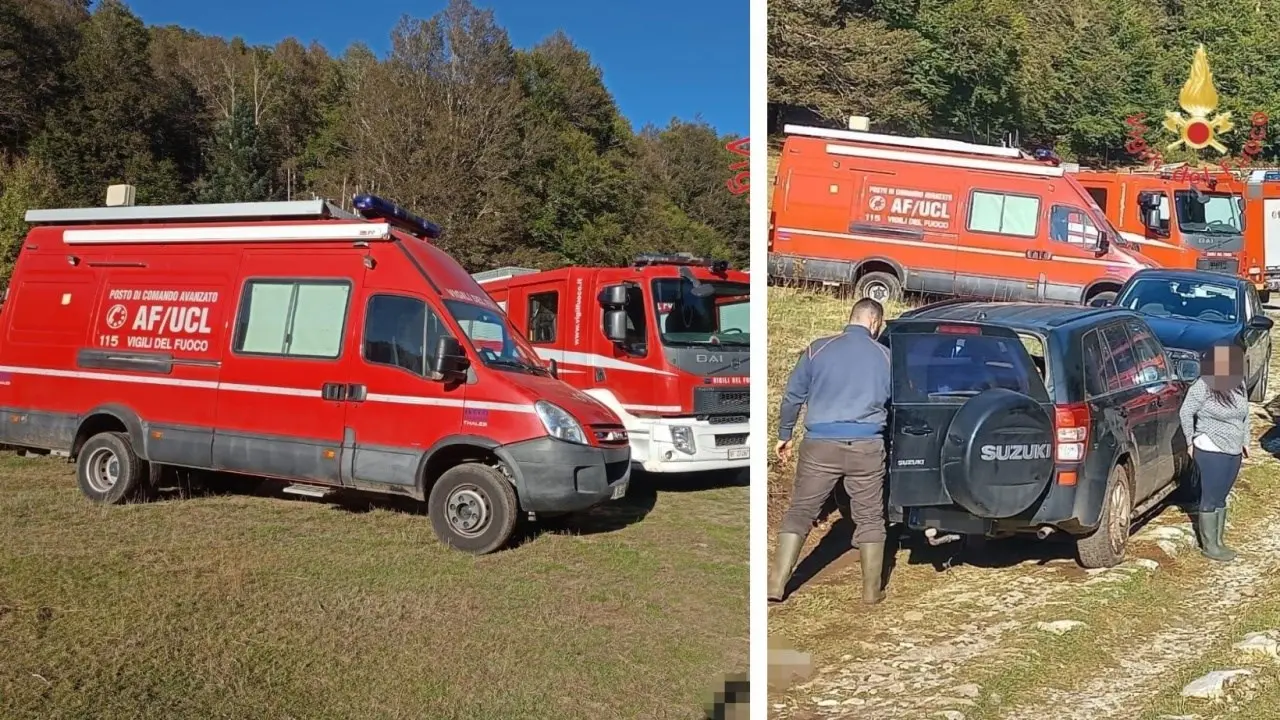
1208,531
1222,531
872,572
784,562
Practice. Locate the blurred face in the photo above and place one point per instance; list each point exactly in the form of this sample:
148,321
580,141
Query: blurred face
1228,361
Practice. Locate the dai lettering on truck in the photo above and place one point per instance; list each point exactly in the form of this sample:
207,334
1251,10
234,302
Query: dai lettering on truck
298,341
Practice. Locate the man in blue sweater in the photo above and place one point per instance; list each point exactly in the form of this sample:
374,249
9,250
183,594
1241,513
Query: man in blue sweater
844,382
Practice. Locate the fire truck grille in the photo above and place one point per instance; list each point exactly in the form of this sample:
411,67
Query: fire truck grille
714,401
727,419
731,440
1224,265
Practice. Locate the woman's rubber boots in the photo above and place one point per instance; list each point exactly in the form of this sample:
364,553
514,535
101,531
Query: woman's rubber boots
784,562
1210,528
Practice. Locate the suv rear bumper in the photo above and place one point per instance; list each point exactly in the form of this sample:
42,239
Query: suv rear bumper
554,476
1065,508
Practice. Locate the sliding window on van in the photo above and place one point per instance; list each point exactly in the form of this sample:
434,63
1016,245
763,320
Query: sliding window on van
994,212
294,319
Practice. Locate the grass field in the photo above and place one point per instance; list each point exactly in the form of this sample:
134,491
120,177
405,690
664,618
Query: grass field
237,606
958,635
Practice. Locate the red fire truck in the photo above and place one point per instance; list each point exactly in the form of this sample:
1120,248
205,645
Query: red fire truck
297,341
664,343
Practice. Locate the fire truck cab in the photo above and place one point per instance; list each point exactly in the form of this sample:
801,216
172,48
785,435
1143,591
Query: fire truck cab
664,343
1182,219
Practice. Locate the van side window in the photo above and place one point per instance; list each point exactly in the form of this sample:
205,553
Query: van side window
402,332
1072,225
637,330
292,318
1099,196
994,212
543,311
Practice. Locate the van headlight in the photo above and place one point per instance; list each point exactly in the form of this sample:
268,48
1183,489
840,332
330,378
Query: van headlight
559,423
682,438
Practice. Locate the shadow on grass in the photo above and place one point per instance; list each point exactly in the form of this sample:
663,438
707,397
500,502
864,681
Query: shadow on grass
610,516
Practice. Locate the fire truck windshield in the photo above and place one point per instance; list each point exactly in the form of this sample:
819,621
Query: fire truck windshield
493,341
716,313
1219,217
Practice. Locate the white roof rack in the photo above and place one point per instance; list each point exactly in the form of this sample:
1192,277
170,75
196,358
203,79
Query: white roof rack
900,141
946,160
501,273
309,232
289,210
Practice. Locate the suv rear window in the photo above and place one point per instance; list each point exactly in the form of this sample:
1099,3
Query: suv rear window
933,367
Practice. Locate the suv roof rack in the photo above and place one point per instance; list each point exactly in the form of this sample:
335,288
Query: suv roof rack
287,210
501,273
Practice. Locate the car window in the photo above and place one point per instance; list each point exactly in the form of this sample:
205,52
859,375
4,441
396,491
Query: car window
1099,371
303,318
1254,304
932,367
402,332
1072,225
544,308
1183,299
1004,214
1118,351
1152,365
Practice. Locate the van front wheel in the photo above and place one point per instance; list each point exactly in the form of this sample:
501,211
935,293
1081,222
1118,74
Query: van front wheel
473,508
108,471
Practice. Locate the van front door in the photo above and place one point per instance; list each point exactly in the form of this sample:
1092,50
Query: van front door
281,391
398,412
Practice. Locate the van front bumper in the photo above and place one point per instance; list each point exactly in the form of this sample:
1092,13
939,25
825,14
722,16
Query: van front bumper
715,447
554,476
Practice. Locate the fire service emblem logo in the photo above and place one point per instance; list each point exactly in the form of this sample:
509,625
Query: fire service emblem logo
1199,98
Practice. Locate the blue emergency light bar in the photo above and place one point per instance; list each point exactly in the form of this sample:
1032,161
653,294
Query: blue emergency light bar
1046,155
372,206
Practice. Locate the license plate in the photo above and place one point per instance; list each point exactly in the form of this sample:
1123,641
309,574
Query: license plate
742,453
619,490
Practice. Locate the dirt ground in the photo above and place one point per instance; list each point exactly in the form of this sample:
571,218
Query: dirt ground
959,637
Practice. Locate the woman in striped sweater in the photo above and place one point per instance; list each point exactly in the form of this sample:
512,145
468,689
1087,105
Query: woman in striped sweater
1215,419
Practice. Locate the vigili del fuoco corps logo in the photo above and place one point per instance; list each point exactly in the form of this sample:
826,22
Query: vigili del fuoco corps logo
1200,128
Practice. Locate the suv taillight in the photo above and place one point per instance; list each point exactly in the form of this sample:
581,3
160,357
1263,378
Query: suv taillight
1072,423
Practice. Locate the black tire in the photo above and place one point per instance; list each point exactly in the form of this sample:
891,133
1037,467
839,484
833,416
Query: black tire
473,508
1106,546
879,286
109,472
1097,299
1259,392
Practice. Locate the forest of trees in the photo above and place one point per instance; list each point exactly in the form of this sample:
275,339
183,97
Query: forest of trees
1063,74
520,154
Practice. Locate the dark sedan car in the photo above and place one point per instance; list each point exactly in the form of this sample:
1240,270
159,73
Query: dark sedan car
1191,311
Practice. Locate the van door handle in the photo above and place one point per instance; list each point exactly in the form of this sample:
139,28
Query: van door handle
333,391
917,430
357,392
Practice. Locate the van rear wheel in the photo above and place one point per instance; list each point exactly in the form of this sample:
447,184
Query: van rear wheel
473,508
108,471
879,286
1106,546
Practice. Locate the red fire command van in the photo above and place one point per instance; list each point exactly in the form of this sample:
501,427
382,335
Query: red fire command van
296,341
664,343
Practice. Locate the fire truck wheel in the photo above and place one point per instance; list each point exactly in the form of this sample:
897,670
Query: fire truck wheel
473,508
879,286
108,471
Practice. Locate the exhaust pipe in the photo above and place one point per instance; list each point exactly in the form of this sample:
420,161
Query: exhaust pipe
931,534
1044,532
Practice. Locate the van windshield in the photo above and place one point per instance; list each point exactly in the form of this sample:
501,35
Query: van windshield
492,339
717,314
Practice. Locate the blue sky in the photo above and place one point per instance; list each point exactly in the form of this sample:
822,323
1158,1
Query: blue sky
660,58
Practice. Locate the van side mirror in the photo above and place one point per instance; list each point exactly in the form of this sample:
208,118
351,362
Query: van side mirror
613,296
450,361
615,325
553,368
1262,322
1103,244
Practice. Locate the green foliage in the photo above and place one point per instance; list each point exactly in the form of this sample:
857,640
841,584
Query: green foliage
24,184
521,155
1060,73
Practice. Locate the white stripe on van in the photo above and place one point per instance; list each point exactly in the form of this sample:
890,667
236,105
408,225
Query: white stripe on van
263,389
653,408
1121,259
592,360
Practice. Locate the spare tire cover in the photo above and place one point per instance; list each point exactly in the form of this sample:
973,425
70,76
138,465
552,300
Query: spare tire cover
997,457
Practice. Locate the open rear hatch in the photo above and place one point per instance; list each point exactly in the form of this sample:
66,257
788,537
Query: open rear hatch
971,423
